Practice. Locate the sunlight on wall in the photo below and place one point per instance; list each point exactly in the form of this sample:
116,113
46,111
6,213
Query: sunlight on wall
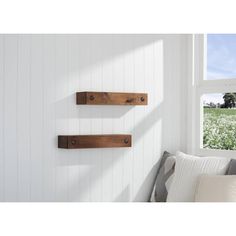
63,65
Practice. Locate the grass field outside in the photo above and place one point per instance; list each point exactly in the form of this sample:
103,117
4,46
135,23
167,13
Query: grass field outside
219,128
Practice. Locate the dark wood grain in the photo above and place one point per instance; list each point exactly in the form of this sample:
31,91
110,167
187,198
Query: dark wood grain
94,141
109,98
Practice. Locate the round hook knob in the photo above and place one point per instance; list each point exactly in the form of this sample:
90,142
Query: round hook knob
126,141
142,99
129,100
73,142
91,97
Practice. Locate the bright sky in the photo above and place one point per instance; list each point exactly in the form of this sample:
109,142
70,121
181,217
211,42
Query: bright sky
213,97
221,56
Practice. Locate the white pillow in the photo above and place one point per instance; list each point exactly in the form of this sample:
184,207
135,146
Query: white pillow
216,188
187,170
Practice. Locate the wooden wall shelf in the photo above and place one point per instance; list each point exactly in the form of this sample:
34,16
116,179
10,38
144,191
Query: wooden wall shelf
94,141
109,98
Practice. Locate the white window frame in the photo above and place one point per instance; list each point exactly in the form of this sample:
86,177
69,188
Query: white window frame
198,87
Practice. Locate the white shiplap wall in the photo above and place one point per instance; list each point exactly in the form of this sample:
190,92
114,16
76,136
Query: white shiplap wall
39,75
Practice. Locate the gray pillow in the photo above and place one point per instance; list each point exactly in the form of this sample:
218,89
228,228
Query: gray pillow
163,178
232,168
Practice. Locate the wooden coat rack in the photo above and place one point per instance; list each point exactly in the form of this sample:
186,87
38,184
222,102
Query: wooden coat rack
107,140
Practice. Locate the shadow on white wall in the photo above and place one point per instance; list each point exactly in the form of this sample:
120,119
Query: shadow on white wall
40,75
103,52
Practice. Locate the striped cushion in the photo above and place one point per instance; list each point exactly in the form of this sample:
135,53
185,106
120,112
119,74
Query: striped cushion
187,170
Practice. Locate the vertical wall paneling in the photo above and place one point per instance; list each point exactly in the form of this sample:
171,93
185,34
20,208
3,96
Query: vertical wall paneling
73,78
96,118
118,124
128,119
37,114
10,118
2,124
107,116
84,114
62,116
49,138
23,117
157,115
138,118
148,168
39,76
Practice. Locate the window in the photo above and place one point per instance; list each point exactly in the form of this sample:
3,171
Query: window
219,121
221,56
214,95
